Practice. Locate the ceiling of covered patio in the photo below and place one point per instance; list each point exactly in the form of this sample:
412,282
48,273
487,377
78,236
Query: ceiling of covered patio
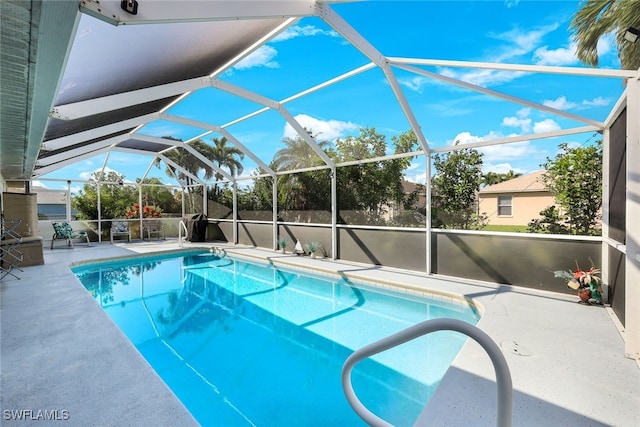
100,80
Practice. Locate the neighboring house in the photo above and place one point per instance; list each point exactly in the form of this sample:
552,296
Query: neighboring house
395,210
52,204
516,201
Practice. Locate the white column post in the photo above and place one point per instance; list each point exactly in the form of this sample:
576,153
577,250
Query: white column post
334,213
632,264
274,203
427,186
68,203
140,210
235,212
99,209
606,185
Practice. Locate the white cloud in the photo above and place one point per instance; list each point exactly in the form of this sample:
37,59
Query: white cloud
511,3
415,83
597,102
521,120
546,125
515,122
605,45
328,130
559,103
483,77
416,173
265,55
495,154
521,42
500,168
87,175
261,57
561,56
304,31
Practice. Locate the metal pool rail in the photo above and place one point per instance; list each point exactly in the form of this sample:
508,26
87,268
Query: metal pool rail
503,376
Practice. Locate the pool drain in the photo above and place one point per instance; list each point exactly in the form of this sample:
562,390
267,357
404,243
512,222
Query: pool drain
515,348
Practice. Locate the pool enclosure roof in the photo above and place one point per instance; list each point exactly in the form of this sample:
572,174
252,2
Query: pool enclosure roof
89,93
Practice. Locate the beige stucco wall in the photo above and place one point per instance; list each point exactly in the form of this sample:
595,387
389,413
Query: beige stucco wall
525,207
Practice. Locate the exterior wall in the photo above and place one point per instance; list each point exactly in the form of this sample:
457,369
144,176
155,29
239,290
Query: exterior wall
524,207
518,259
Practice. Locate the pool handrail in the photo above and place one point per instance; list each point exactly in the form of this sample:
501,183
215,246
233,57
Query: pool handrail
503,376
182,225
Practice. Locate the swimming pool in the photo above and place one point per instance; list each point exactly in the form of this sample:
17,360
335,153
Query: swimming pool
242,342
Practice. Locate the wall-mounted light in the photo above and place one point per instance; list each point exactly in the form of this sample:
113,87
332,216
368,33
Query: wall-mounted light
130,6
632,34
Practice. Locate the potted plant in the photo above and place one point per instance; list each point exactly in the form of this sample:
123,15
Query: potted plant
282,243
312,247
586,282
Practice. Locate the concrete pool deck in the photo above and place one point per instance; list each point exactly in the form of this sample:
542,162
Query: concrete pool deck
61,352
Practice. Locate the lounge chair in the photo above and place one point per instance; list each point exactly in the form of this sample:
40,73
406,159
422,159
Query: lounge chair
152,226
120,228
64,231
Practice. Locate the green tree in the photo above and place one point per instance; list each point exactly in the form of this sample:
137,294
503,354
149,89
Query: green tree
191,164
492,178
292,188
550,223
224,156
454,187
159,196
597,18
574,177
367,190
115,198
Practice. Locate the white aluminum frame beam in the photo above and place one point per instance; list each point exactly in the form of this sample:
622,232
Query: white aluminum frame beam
298,95
106,143
76,138
632,230
363,45
223,132
518,138
103,104
275,105
151,12
575,71
53,167
189,148
181,169
501,95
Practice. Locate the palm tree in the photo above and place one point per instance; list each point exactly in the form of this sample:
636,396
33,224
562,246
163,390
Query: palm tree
296,154
224,155
600,17
190,163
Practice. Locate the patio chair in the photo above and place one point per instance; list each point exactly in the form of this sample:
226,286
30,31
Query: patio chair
152,226
64,231
120,228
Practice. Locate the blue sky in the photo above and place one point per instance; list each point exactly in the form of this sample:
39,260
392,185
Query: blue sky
310,52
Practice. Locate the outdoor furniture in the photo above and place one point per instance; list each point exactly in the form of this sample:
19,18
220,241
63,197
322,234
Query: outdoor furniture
120,228
152,226
64,231
10,256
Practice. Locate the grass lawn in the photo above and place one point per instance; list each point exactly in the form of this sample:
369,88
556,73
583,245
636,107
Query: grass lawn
508,228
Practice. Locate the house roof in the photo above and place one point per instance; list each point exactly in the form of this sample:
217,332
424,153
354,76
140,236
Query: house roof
524,183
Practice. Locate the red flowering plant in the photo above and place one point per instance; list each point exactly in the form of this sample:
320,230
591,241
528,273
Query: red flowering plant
586,282
147,211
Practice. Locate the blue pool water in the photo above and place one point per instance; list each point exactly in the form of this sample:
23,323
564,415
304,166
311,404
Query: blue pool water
242,343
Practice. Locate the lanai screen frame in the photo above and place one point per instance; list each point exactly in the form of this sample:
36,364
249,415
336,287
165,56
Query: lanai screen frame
118,135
